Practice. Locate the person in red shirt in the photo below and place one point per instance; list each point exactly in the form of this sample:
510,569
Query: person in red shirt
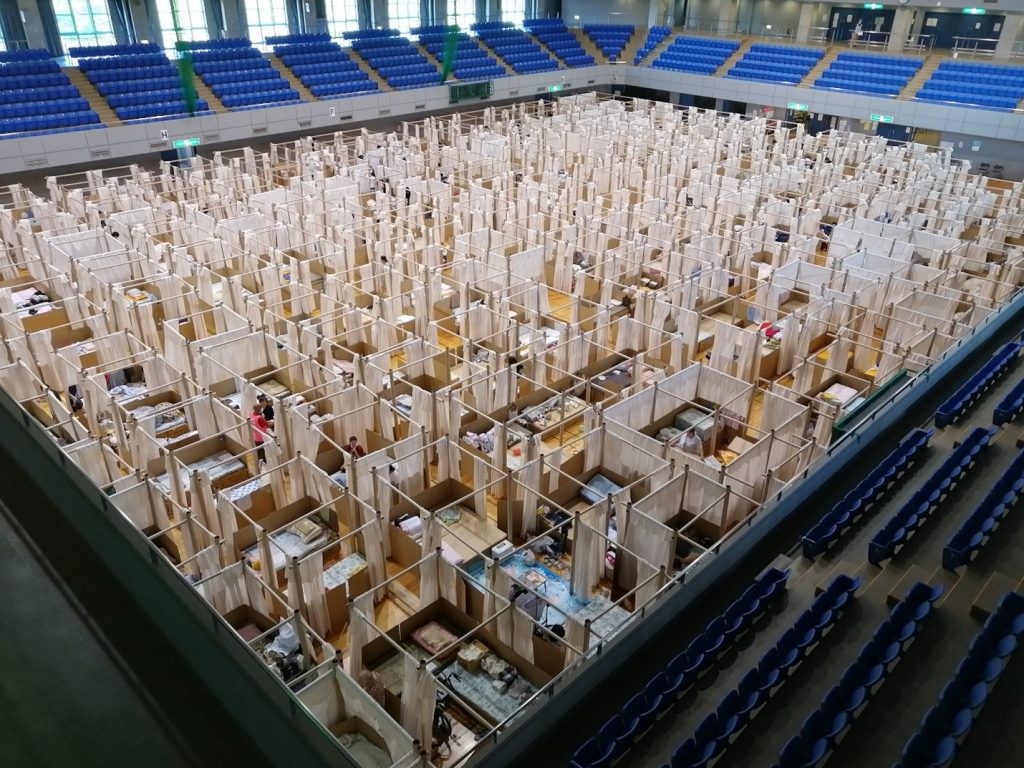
260,429
355,448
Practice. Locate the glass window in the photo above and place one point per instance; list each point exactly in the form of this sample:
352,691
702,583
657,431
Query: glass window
513,11
191,21
403,15
267,18
83,22
462,12
342,16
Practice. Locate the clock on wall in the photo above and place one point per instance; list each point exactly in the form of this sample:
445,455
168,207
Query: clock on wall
902,2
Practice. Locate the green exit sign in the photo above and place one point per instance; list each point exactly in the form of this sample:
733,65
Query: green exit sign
797,107
882,118
555,88
874,6
183,143
974,11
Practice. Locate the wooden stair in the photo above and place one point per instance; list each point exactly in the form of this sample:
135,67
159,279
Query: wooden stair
823,63
438,65
97,103
658,49
633,45
490,51
921,76
738,54
203,92
304,93
365,66
588,45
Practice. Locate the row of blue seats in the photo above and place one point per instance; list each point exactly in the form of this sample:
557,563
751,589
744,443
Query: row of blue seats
783,69
787,50
329,90
617,736
364,44
968,90
415,81
47,122
369,34
409,69
121,62
610,38
719,729
145,97
871,58
655,36
978,69
484,26
30,95
861,680
481,73
34,81
264,86
842,73
680,66
783,60
343,78
1010,406
974,387
226,54
253,98
233,65
132,86
848,510
132,73
858,86
945,76
738,73
265,75
34,67
967,100
307,48
213,45
44,107
973,532
855,70
946,725
112,50
560,41
338,73
333,58
159,108
912,515
298,38
25,54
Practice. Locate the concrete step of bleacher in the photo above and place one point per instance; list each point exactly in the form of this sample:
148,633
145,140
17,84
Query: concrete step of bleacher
818,69
738,54
659,49
491,52
588,45
988,597
304,93
97,103
203,92
633,45
921,76
369,70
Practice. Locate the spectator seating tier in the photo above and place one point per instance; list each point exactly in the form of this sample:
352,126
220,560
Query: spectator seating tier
322,66
396,60
1010,407
984,85
518,49
697,55
240,77
868,73
36,97
610,39
776,64
655,35
957,405
471,61
560,41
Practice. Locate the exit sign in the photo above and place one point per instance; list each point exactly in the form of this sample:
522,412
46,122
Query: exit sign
974,11
874,6
797,107
555,88
881,118
183,143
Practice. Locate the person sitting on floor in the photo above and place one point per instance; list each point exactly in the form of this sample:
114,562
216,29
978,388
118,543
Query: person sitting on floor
354,447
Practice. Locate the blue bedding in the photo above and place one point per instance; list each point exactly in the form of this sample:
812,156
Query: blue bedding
597,488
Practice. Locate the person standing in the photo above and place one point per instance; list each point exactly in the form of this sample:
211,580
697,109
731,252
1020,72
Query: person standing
260,430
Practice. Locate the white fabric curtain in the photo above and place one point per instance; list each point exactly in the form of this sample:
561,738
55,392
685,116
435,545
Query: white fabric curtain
311,573
358,632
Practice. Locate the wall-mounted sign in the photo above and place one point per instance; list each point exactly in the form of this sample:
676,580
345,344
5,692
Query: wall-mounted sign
881,118
974,11
797,107
183,143
874,6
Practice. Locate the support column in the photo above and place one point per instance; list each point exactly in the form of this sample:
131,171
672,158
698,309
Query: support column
658,13
808,14
901,23
1008,35
728,12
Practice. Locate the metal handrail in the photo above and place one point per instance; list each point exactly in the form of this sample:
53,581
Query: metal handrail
970,47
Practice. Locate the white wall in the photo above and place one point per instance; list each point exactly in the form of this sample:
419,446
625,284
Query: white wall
606,11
